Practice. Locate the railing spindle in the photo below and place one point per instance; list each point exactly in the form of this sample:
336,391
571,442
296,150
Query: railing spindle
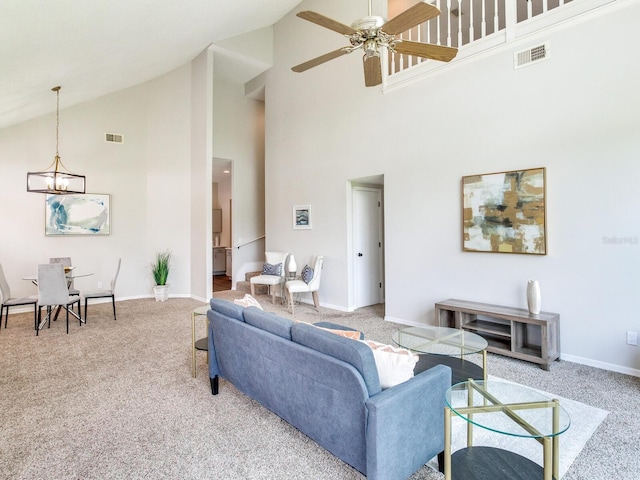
496,17
483,30
459,23
439,40
448,23
471,22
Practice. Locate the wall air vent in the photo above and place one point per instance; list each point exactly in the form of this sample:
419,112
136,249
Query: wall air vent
531,55
113,138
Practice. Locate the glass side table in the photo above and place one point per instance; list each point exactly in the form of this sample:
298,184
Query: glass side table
507,409
445,346
203,343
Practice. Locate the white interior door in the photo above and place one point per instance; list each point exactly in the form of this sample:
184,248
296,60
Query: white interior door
367,254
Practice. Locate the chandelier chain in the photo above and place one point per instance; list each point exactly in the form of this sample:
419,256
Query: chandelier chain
57,90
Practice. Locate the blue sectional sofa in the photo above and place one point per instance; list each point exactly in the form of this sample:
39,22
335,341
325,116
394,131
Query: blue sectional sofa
327,387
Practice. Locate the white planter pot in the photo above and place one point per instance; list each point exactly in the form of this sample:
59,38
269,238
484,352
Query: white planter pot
161,292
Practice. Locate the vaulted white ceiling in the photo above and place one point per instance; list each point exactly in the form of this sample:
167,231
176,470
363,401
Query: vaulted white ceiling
95,47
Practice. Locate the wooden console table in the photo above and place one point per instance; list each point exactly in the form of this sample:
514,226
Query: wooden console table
509,331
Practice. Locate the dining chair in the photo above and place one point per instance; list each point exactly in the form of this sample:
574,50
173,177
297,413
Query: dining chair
273,273
66,262
104,293
53,292
6,301
310,282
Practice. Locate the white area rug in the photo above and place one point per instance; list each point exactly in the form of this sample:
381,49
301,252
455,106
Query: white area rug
584,422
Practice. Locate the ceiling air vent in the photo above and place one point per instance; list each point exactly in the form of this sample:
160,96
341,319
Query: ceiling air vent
113,138
531,55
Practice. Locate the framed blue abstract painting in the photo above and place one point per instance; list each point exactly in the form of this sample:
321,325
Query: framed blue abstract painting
88,214
302,217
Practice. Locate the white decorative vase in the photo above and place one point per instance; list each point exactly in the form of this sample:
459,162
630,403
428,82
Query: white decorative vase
293,268
533,297
161,292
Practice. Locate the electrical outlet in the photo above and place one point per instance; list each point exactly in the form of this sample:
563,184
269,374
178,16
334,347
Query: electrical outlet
632,338
99,285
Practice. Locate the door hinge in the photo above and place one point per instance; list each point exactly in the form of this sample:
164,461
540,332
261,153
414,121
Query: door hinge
380,284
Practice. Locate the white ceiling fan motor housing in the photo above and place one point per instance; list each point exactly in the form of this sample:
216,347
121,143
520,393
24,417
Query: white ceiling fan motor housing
369,24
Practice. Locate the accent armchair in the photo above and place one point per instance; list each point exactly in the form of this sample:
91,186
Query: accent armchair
271,275
311,285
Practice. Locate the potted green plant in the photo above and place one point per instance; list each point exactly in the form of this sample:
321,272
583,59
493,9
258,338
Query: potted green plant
160,269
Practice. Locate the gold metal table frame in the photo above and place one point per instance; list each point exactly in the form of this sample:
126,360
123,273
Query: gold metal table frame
549,440
197,312
443,341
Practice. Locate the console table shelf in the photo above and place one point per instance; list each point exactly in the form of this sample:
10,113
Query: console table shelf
509,331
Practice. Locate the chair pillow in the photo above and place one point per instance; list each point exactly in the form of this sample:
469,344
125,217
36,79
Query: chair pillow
395,365
307,274
268,269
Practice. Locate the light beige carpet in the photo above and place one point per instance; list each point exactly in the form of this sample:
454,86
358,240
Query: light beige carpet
115,399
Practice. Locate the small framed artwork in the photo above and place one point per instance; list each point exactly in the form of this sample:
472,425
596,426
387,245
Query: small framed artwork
82,214
302,217
505,212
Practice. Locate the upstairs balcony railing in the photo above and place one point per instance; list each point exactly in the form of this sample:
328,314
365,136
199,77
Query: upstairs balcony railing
476,25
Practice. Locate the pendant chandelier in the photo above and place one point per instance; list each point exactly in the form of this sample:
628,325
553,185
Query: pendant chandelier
56,178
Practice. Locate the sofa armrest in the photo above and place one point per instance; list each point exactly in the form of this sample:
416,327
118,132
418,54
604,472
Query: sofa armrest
405,426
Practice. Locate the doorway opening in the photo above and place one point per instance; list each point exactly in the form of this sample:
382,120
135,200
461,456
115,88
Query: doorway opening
366,252
222,224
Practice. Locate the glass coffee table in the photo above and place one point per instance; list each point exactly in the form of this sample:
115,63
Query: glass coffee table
507,409
445,346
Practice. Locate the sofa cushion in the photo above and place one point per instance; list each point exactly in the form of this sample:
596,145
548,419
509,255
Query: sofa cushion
227,308
353,352
340,330
268,321
248,301
395,365
352,334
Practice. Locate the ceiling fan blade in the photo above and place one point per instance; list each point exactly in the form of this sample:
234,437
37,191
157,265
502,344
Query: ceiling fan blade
372,70
321,59
426,50
326,22
419,13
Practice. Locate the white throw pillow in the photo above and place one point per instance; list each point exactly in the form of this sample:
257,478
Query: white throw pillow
247,301
395,365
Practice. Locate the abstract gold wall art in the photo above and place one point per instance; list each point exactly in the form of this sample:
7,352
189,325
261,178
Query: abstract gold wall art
505,212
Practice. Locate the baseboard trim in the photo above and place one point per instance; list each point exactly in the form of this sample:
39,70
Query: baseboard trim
634,372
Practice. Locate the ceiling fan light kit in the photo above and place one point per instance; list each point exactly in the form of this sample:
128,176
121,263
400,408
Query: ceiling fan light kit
371,33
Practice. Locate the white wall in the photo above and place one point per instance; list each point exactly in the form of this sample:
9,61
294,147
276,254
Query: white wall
238,135
575,114
148,178
201,174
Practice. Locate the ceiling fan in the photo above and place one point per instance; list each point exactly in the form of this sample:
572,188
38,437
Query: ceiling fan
372,32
